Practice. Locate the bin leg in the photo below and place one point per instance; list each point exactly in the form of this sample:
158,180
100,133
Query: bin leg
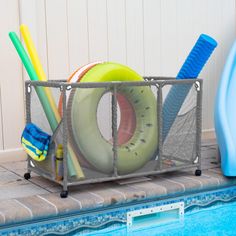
64,193
198,172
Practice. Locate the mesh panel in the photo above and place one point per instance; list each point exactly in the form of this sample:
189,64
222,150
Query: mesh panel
179,145
89,120
137,154
40,119
38,116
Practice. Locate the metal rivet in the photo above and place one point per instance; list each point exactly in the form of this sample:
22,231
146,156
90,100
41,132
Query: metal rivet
29,88
68,87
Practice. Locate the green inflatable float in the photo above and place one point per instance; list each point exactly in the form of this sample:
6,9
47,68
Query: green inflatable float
98,151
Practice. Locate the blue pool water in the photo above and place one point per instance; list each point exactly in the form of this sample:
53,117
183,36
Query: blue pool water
215,220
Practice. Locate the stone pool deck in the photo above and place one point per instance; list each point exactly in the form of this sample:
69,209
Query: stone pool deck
38,198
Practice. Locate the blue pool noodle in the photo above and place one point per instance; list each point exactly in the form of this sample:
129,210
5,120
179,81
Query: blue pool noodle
191,68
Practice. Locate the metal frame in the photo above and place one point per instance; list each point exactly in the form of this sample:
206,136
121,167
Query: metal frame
158,82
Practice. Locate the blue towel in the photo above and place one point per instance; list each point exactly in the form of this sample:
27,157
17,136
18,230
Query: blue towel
35,142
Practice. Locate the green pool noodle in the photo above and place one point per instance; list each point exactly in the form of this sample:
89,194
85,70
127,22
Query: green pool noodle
33,76
40,91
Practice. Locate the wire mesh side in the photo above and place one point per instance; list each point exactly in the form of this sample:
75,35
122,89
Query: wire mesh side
35,114
179,134
85,121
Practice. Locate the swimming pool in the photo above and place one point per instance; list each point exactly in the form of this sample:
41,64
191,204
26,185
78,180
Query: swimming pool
212,212
219,219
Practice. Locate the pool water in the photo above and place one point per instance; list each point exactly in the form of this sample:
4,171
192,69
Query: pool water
215,220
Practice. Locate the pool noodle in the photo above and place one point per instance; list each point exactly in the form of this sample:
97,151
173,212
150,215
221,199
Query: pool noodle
33,76
40,92
42,76
38,67
191,68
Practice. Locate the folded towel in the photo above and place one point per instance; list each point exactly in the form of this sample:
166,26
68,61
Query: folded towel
35,142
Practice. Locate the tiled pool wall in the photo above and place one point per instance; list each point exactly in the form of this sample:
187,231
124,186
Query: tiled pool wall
114,217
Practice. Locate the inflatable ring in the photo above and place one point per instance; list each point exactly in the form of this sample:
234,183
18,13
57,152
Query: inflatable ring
140,148
76,77
127,115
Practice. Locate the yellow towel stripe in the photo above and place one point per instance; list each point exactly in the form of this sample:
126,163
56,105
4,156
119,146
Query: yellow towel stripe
32,154
26,142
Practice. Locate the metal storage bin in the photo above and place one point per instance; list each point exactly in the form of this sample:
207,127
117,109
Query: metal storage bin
177,136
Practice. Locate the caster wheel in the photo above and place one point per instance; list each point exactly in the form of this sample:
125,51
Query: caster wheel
27,176
198,172
64,194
